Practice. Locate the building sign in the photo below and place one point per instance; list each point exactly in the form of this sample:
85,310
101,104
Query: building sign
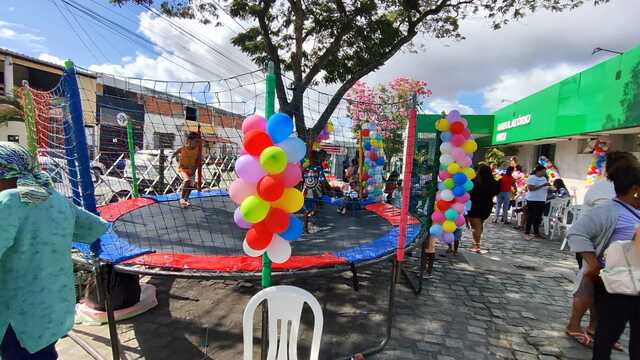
517,122
501,136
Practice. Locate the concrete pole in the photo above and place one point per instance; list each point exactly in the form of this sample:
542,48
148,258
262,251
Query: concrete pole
8,76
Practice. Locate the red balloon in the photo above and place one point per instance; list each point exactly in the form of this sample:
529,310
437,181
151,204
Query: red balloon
255,141
277,220
456,128
270,188
259,237
373,156
365,177
364,132
443,205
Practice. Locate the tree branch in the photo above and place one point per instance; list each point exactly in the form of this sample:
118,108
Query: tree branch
272,52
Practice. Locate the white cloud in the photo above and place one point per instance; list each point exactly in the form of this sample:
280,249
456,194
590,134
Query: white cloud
515,85
438,105
11,9
51,58
19,34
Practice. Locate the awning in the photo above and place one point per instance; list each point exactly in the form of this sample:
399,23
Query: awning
204,128
333,149
215,139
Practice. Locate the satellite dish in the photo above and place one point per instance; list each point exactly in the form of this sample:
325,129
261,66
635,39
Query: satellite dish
122,119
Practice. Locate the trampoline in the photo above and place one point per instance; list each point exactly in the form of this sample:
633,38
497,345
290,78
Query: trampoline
155,235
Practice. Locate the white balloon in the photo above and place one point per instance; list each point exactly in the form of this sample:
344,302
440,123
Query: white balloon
447,195
446,159
446,148
279,250
249,251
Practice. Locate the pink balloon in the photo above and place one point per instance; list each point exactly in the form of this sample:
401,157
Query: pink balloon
460,221
466,133
463,199
457,140
438,197
237,217
438,217
443,175
240,190
248,169
458,207
253,122
458,154
291,175
467,162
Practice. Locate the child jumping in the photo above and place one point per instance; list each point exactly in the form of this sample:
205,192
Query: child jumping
37,295
314,181
189,158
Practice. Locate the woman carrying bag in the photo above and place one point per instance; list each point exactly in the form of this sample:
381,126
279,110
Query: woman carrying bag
608,240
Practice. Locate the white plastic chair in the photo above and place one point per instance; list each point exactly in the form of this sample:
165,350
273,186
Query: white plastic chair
556,209
574,212
285,305
519,203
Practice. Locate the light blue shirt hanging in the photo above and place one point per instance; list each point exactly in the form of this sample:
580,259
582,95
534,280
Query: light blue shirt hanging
37,296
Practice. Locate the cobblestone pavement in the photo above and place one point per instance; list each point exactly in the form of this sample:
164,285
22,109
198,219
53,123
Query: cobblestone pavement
510,303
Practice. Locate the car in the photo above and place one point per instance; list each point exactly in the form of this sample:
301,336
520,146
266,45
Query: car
107,189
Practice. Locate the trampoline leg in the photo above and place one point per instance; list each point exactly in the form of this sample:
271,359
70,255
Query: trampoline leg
415,282
354,271
395,275
103,278
306,222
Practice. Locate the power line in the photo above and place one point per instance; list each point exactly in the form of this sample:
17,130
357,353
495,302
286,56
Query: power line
89,37
74,31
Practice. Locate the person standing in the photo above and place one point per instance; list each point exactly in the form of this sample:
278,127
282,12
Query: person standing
37,295
537,186
485,187
189,159
503,201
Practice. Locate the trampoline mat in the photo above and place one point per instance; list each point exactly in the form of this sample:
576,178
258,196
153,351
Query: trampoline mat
207,228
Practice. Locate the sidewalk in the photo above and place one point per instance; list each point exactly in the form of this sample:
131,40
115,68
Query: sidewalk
510,303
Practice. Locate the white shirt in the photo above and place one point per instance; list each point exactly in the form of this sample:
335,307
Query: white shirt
540,194
599,193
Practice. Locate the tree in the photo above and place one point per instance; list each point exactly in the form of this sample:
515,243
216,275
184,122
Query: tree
341,41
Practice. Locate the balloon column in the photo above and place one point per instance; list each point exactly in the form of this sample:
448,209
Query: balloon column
552,170
264,190
595,172
373,161
455,177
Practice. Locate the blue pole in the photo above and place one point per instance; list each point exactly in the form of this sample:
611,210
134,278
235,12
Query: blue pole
71,163
79,136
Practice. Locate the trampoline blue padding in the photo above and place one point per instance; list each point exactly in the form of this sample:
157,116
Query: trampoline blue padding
379,247
111,247
339,201
194,195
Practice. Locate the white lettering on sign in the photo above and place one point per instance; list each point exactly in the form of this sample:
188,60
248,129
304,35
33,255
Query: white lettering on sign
501,136
523,120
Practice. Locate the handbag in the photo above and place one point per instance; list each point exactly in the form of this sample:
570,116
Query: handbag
621,274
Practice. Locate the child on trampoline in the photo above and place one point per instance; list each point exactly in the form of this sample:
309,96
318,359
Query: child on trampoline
188,162
314,182
36,273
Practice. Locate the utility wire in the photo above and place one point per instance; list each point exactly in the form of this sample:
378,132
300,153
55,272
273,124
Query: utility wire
89,37
74,31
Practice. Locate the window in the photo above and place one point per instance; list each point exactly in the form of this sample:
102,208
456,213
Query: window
163,140
13,138
190,113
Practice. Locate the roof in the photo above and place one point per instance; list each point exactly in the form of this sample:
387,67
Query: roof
14,54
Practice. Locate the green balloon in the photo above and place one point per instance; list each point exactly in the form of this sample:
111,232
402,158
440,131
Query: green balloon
273,160
451,214
253,209
468,186
449,183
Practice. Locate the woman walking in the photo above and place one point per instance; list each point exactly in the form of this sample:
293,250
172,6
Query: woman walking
484,189
538,185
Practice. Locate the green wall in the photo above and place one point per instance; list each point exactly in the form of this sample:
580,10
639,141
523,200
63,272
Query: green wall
481,126
603,97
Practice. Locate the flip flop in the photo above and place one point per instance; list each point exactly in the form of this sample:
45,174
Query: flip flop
617,346
581,337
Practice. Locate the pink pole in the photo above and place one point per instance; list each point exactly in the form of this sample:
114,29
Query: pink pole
406,184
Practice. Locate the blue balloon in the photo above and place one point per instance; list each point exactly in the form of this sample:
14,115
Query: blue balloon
458,191
467,206
445,136
294,230
367,146
436,230
380,161
459,179
295,149
441,186
279,127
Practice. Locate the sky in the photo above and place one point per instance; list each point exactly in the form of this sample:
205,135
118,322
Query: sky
487,70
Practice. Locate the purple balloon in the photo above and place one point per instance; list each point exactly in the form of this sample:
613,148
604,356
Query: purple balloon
237,217
248,169
448,238
453,116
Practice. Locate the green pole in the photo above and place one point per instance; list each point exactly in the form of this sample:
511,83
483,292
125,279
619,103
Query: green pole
29,118
132,158
269,109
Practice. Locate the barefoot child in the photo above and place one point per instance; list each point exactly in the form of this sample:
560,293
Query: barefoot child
188,162
37,295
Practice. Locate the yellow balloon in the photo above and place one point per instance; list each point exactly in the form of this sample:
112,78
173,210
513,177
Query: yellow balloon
470,173
449,226
470,146
442,125
290,201
453,168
